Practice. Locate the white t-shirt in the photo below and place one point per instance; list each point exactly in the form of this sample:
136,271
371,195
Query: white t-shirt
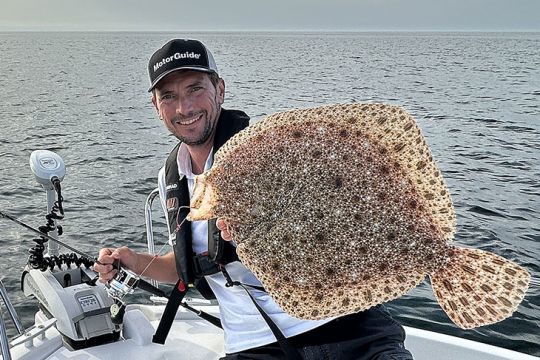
243,325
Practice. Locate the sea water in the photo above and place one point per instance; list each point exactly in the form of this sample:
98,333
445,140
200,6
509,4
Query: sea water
476,97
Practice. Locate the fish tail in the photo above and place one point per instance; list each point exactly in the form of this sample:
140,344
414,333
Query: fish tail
477,288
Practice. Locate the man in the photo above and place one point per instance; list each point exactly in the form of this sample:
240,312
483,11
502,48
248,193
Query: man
187,94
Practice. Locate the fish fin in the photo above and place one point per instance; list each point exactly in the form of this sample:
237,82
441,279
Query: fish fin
203,201
398,132
477,288
321,303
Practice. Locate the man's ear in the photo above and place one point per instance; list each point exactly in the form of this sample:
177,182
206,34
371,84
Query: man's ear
220,89
154,101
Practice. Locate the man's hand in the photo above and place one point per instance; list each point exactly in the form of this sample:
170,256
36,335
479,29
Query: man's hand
222,225
107,256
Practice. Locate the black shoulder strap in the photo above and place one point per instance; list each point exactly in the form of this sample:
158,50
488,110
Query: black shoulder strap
177,294
230,122
290,352
177,196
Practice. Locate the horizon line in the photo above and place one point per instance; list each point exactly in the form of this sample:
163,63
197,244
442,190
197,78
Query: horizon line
50,29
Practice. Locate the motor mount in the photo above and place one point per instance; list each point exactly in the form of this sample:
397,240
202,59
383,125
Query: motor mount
82,311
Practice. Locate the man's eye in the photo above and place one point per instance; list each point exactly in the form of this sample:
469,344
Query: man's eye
166,97
195,88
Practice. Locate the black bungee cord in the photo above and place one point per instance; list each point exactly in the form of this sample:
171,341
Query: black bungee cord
36,259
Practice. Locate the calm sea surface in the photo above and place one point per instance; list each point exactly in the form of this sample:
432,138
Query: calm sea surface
476,96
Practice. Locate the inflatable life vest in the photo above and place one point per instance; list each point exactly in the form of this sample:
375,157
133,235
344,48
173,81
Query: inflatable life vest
191,267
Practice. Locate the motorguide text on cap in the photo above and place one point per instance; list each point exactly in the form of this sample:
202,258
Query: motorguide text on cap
176,56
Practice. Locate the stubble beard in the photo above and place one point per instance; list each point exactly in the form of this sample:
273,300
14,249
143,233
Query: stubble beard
208,127
205,134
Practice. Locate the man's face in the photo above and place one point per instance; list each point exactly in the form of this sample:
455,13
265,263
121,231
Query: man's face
189,105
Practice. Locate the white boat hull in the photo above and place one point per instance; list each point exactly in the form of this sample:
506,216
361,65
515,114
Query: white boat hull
193,338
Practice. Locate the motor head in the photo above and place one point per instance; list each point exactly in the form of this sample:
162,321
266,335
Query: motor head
46,166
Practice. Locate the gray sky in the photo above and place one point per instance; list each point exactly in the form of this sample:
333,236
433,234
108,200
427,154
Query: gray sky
227,15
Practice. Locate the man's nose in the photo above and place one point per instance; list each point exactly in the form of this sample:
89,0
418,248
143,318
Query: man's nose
184,106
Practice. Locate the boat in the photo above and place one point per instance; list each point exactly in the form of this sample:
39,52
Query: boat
80,318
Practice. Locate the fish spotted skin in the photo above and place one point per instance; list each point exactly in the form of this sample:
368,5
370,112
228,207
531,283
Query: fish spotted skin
342,207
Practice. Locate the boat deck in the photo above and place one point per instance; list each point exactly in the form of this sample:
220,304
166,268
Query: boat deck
193,338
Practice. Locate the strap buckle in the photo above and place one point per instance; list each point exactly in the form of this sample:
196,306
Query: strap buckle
202,265
229,282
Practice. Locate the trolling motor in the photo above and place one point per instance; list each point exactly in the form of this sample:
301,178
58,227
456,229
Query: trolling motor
64,284
49,170
86,314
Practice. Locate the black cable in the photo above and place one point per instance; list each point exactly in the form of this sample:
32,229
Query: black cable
36,259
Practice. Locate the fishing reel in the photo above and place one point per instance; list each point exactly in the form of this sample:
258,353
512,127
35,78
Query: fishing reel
124,283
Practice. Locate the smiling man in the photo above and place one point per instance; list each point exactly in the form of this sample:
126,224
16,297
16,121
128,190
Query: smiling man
187,94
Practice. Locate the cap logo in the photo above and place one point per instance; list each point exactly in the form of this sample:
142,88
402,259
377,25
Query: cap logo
176,56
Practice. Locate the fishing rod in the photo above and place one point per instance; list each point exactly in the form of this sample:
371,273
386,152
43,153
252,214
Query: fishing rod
49,237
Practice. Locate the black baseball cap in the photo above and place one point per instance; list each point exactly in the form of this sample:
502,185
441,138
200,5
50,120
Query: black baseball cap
180,54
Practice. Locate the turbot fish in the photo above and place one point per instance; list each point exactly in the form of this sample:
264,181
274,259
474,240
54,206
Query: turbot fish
339,208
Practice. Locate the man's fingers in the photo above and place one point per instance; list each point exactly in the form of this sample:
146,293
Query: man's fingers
106,267
221,224
224,227
117,253
107,256
110,256
105,252
103,268
105,277
226,235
